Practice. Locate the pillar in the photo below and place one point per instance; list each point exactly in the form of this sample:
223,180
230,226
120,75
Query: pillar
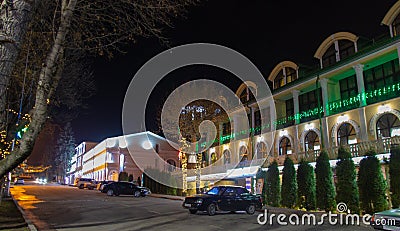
359,68
325,99
295,94
363,124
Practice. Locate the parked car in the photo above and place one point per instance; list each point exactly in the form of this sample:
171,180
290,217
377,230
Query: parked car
100,185
82,183
386,220
19,181
223,198
125,188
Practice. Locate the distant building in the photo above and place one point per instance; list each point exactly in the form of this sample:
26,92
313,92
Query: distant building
113,155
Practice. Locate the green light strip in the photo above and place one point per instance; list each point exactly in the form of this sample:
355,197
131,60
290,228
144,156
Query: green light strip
395,88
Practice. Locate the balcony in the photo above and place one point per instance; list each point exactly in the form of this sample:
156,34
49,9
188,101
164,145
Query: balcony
340,106
356,150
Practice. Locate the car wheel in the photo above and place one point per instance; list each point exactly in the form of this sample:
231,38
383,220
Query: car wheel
80,186
136,194
193,211
110,192
211,209
251,209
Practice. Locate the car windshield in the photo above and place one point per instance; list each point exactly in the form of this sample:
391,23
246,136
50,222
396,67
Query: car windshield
213,191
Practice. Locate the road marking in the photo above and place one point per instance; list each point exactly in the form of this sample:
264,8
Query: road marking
154,212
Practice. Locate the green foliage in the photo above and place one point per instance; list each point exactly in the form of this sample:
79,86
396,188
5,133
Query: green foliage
289,184
123,176
372,185
306,186
155,186
346,187
394,171
130,178
324,183
273,185
263,175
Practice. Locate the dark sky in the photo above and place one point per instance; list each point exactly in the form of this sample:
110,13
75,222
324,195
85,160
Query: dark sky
266,32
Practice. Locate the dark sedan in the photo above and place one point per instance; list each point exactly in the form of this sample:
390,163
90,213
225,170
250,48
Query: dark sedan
125,188
223,198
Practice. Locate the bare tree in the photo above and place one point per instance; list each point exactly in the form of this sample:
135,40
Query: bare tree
99,27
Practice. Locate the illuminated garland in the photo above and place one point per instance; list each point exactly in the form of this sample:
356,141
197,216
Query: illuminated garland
352,101
6,145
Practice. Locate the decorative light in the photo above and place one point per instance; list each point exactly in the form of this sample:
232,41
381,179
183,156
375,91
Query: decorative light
309,126
242,143
226,147
260,138
147,145
384,108
212,150
289,151
283,133
342,118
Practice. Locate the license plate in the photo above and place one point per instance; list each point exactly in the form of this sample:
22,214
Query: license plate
188,205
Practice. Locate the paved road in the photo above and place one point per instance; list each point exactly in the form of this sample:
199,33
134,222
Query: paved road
69,208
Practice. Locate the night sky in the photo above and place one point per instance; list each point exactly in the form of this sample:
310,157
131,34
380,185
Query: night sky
265,32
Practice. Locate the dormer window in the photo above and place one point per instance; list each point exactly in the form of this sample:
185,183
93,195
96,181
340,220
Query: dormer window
284,73
335,48
246,92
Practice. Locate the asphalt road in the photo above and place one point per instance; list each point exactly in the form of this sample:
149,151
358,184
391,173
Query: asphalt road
69,208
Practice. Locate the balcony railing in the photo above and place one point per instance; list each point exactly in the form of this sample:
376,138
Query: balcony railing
358,149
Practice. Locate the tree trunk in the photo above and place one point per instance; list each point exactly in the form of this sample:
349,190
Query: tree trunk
47,82
14,18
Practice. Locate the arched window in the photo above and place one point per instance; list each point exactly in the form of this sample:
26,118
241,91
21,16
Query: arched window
284,146
291,74
346,134
247,94
279,80
213,158
329,58
243,153
227,157
346,48
396,26
387,126
311,141
261,150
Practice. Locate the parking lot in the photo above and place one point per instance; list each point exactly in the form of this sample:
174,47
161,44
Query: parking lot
69,208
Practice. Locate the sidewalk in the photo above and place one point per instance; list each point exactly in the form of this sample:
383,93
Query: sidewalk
11,217
170,197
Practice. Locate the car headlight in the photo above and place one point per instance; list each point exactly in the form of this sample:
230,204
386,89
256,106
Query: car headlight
199,201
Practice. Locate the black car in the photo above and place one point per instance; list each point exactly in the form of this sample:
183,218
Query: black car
125,188
223,198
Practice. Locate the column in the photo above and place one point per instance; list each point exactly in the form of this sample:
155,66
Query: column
295,94
325,99
325,133
363,125
359,68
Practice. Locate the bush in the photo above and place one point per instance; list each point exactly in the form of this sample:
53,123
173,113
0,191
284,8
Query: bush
273,185
346,187
289,184
324,183
394,173
371,184
123,176
306,186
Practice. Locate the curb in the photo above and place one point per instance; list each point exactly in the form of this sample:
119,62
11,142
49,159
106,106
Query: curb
30,224
167,197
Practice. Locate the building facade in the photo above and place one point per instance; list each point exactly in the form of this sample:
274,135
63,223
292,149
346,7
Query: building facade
351,99
105,160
